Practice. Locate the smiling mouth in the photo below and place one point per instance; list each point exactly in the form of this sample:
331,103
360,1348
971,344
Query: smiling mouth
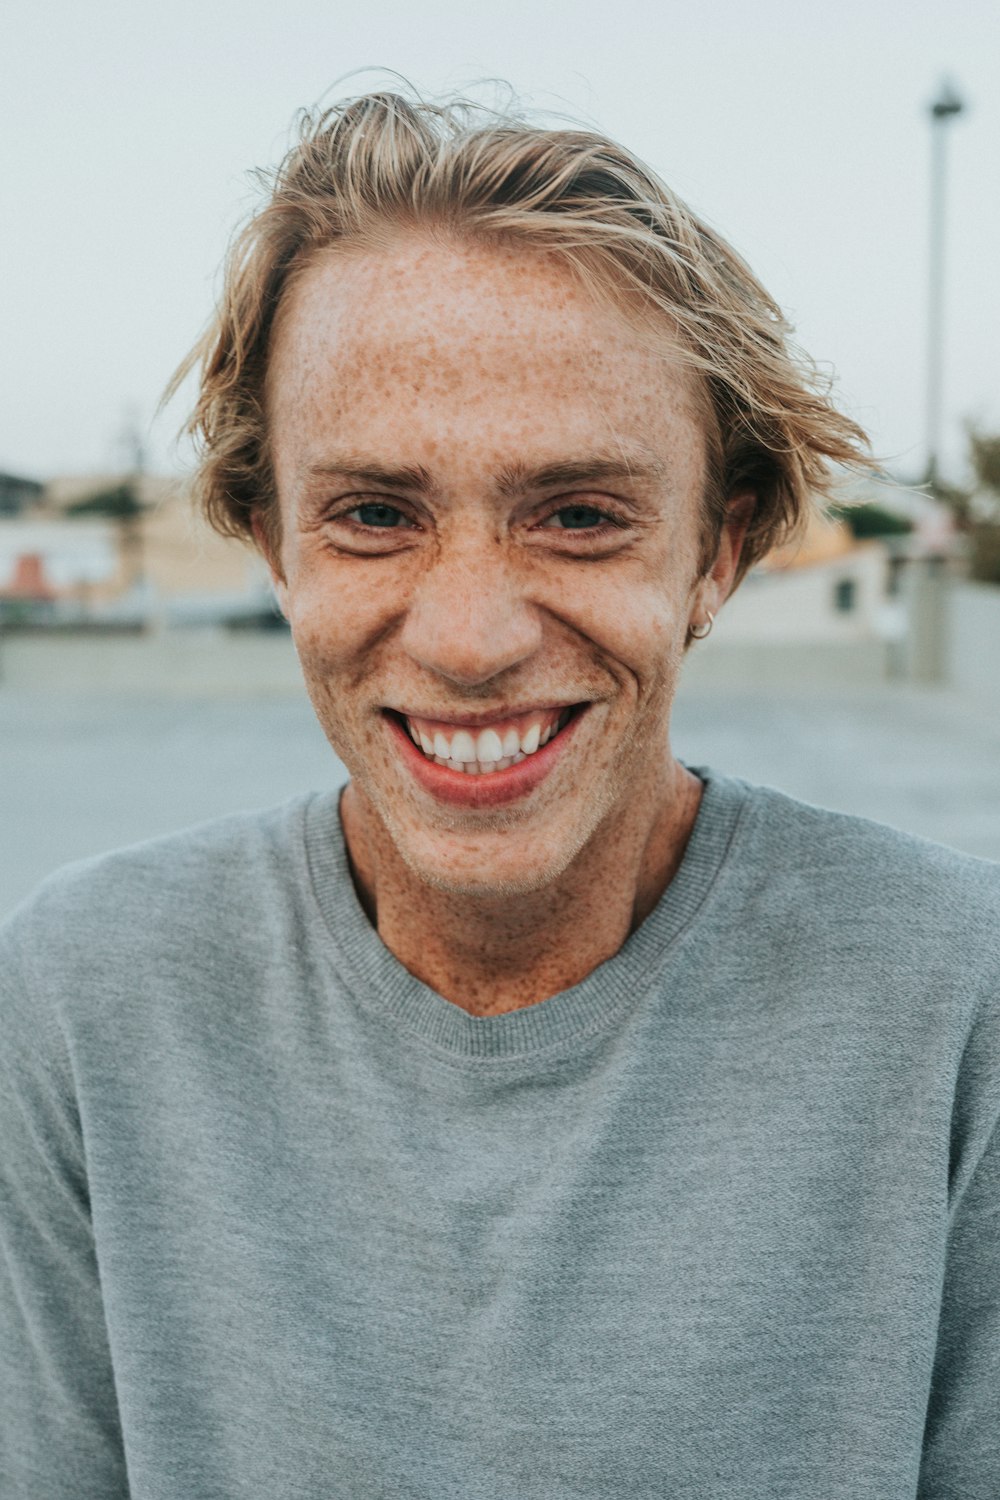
486,749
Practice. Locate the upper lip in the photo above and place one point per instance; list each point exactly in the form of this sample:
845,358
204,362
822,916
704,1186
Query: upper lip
484,720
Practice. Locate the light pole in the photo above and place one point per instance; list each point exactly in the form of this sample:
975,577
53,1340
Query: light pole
944,108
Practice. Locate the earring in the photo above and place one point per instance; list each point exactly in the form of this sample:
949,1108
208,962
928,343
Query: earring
705,628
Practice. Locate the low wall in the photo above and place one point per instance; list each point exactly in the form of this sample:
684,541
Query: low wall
749,666
183,663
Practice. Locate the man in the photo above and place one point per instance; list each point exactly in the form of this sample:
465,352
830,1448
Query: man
544,1117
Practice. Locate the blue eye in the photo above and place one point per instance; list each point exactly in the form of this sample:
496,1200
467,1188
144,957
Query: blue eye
378,515
577,517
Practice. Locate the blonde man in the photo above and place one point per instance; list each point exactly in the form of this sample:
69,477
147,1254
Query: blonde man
542,1117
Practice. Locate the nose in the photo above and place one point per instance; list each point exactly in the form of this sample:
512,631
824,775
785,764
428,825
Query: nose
468,618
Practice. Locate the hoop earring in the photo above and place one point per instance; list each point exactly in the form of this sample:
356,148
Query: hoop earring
705,628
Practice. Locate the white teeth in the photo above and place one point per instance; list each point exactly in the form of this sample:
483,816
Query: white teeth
463,746
480,754
489,746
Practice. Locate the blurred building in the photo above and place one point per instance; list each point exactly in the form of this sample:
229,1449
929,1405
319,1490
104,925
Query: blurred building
827,588
160,565
43,561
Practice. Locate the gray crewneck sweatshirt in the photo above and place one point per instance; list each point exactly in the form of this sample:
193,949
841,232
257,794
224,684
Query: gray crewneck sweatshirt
721,1221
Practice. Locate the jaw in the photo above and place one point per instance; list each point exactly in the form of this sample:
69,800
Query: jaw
591,807
506,856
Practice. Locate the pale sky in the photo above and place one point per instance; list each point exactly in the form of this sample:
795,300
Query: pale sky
797,129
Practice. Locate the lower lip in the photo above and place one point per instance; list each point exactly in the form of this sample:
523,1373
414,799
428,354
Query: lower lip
496,788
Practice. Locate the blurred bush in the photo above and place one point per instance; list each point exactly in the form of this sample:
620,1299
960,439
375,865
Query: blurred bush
983,506
984,552
870,520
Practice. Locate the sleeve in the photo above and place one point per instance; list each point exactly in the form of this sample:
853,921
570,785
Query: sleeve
60,1435
961,1449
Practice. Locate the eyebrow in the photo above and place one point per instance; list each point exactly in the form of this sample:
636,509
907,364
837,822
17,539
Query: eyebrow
515,479
512,480
380,476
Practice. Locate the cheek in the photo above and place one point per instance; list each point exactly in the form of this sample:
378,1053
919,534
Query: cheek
334,614
635,618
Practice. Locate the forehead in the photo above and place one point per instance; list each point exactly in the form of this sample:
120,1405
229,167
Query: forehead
447,343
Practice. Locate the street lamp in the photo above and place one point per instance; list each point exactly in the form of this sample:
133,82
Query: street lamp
944,108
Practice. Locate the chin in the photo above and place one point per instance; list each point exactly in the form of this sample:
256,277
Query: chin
499,854
473,869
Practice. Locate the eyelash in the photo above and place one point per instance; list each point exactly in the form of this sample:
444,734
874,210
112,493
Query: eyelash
371,505
608,518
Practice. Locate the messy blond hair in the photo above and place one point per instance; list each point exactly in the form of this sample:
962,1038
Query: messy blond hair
381,163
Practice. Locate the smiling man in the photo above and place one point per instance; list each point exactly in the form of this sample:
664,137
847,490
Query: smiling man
541,1117
488,548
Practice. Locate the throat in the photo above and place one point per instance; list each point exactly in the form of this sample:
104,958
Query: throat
490,954
490,958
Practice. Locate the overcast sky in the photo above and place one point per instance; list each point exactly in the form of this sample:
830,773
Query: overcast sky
798,129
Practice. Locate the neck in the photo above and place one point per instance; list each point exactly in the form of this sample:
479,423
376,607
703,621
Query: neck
491,954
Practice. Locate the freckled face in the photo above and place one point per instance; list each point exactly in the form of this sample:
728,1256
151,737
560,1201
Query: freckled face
489,492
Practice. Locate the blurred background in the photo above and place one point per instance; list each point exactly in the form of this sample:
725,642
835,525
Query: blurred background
849,151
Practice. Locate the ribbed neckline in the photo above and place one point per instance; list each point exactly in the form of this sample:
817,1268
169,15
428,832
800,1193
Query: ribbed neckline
381,984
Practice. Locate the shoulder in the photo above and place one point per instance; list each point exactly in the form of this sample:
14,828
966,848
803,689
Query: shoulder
832,874
218,885
811,838
179,866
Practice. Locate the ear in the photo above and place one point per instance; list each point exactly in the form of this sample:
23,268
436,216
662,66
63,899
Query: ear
718,580
266,547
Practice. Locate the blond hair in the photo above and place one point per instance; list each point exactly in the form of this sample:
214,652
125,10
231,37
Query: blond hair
377,164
